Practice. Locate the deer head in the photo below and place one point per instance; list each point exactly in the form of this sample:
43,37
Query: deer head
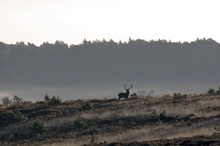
127,89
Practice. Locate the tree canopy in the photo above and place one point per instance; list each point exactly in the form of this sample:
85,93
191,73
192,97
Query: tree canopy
104,61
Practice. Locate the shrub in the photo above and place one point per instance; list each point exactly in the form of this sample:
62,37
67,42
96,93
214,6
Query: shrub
158,117
18,116
162,116
79,123
179,96
14,117
134,95
38,128
54,101
93,130
17,99
11,137
47,98
6,101
88,106
218,91
211,91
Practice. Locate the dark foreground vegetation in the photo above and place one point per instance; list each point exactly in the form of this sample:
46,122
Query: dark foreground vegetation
167,120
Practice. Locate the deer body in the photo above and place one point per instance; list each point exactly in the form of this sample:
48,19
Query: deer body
125,94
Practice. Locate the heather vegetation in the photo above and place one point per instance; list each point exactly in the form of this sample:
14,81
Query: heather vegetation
212,91
108,121
54,101
8,101
179,96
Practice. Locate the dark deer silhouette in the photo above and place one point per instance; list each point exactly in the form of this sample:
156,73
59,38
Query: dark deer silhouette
125,94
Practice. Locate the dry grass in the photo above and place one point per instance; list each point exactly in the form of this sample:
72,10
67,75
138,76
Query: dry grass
195,105
202,113
148,133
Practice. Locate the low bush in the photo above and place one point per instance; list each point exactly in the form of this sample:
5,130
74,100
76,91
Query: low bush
179,96
218,91
93,130
38,128
17,99
88,106
79,124
18,116
54,101
47,98
15,116
6,101
133,95
158,117
211,91
163,116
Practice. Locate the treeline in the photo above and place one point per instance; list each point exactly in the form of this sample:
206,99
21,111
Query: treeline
108,61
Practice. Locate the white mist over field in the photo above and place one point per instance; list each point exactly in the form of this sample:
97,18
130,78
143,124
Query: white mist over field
34,93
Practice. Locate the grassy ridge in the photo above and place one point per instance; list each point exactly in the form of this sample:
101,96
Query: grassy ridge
106,121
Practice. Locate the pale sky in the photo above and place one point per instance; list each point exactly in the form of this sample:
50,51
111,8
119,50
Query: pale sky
71,21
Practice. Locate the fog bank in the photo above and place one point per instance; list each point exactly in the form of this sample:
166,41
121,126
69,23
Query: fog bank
34,93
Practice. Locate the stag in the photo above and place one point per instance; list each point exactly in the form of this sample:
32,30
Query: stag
125,94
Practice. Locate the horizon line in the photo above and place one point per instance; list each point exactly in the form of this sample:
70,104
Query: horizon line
103,39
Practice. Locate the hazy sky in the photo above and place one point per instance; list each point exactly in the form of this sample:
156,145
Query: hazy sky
71,21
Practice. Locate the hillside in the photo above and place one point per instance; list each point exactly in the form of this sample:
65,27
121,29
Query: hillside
180,120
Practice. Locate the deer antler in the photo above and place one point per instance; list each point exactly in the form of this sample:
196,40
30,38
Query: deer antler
125,87
131,86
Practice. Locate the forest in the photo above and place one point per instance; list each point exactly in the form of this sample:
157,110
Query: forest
102,61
